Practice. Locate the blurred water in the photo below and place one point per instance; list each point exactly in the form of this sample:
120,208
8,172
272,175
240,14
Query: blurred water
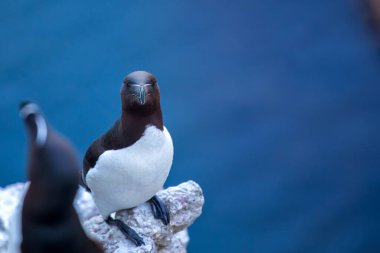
272,105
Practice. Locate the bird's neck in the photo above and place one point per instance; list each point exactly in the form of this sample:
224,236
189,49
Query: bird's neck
135,124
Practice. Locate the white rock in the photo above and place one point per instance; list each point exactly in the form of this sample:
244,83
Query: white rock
185,203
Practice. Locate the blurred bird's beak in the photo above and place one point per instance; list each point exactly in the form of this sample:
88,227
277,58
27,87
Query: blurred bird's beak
34,122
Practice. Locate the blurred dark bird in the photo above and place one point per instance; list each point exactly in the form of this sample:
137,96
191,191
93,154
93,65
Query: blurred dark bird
49,221
373,10
129,164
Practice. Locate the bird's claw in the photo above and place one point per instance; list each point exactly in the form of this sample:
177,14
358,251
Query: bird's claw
160,211
128,232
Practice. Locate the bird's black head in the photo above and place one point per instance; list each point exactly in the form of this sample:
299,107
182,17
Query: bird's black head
140,93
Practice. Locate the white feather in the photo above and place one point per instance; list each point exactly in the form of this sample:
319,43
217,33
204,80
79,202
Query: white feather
130,176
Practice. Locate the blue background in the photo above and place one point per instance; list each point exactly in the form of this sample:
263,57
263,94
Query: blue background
273,107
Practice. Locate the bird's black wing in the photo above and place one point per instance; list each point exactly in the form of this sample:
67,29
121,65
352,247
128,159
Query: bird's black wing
95,150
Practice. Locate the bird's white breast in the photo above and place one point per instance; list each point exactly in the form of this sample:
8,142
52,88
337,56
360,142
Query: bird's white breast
130,176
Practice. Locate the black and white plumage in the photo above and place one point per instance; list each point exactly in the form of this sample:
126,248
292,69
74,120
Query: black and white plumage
130,163
49,222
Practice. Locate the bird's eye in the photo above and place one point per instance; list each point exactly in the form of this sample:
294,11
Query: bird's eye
129,84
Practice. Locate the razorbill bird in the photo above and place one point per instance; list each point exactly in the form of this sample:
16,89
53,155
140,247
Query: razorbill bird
49,222
129,164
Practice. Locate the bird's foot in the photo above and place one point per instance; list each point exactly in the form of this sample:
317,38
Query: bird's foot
160,211
126,230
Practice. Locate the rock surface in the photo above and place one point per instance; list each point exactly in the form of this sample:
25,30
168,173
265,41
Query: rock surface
185,203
